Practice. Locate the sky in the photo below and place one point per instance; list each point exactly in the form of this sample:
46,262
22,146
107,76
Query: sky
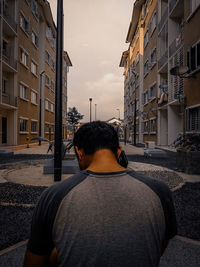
94,37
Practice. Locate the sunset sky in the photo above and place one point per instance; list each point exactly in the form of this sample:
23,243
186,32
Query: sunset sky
94,37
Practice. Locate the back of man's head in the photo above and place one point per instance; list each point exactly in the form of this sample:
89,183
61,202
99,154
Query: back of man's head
96,135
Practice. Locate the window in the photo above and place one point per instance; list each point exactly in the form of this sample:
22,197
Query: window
52,128
52,86
47,56
4,85
33,126
194,5
153,23
34,38
193,57
145,97
52,64
146,67
137,57
47,80
23,125
153,57
33,68
24,23
5,47
152,91
35,9
152,125
33,97
193,119
145,127
46,127
23,57
146,38
51,106
46,104
23,91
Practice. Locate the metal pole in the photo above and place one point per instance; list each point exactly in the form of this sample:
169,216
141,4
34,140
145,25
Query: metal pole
95,112
58,94
90,99
135,111
40,109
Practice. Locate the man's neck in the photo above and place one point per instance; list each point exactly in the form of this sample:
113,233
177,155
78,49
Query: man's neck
104,161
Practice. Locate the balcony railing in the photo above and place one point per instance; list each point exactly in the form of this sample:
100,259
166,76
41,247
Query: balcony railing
7,99
163,19
163,59
177,8
9,19
176,44
9,59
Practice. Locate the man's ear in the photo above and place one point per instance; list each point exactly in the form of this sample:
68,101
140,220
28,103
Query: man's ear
119,150
79,152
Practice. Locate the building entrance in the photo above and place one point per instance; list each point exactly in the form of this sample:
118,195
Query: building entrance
4,130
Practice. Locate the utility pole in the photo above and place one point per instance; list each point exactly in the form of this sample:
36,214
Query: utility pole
58,94
40,109
90,99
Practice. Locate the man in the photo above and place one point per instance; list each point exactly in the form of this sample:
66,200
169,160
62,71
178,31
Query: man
106,215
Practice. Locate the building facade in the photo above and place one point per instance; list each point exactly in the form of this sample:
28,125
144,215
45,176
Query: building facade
27,71
168,104
8,72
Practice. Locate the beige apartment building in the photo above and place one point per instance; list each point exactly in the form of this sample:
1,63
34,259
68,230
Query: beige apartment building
27,71
170,38
66,64
8,72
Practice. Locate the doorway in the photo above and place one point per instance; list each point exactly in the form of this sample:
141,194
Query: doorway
4,130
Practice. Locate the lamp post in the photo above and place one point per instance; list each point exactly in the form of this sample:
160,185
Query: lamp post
58,94
90,99
95,112
40,109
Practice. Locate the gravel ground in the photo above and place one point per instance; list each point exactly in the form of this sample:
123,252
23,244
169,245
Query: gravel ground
17,193
187,203
14,225
171,178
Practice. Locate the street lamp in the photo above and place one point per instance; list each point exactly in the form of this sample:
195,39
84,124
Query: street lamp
58,93
118,112
90,99
40,109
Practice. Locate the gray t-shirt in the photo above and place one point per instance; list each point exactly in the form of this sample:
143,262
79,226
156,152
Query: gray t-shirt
104,219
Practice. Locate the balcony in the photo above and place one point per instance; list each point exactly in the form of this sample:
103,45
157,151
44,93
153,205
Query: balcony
163,19
10,61
176,44
163,59
9,100
176,9
11,27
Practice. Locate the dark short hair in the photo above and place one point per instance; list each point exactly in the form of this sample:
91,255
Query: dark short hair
96,135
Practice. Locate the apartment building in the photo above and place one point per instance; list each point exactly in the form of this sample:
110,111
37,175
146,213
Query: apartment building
150,71
8,72
192,59
66,64
170,103
133,73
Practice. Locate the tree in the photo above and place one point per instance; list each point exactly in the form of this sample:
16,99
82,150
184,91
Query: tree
73,117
